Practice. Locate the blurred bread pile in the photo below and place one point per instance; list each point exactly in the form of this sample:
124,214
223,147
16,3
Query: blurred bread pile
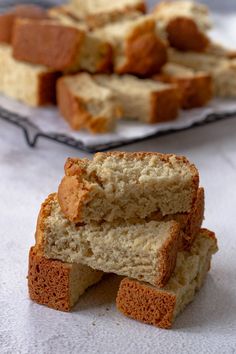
138,215
102,61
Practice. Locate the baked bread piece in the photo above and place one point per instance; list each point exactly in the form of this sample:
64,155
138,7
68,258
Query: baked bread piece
56,284
85,104
221,69
7,19
78,49
219,50
184,24
159,307
97,13
66,15
145,251
196,88
144,100
136,45
121,186
34,85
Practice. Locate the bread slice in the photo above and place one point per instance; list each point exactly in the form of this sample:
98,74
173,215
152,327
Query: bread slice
184,23
100,13
34,85
136,45
66,15
196,88
56,284
144,100
7,19
121,186
159,307
143,250
78,49
85,104
222,69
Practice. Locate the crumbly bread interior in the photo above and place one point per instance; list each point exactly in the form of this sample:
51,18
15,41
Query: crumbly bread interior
160,307
66,15
56,284
20,80
168,10
127,185
221,68
145,251
178,71
119,33
93,7
134,94
99,101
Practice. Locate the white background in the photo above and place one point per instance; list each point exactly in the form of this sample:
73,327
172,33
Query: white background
208,325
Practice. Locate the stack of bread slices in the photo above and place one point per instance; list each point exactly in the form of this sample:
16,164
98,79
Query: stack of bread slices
137,215
102,60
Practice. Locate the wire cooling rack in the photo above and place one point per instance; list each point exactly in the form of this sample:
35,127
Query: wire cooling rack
33,134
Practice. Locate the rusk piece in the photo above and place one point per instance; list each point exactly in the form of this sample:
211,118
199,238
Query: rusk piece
196,88
78,49
34,85
221,69
101,12
8,18
67,16
121,186
56,284
159,307
85,104
137,48
144,100
184,23
144,251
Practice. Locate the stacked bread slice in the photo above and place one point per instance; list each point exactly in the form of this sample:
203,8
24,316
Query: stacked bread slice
137,215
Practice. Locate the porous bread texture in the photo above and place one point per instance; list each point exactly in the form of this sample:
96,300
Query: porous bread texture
123,186
144,100
56,284
100,7
34,85
87,105
136,46
78,49
196,88
144,251
7,19
159,307
221,69
184,24
65,15
218,50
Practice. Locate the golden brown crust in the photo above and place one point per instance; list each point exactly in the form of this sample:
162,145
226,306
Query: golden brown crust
49,281
46,42
47,88
195,91
144,303
145,53
167,256
165,105
184,34
73,109
8,18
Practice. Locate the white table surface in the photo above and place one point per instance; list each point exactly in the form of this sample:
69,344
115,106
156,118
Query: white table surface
208,325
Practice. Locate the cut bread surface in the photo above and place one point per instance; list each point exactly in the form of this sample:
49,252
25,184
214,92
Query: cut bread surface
56,284
144,100
127,185
196,87
221,68
136,45
184,23
145,251
85,104
34,85
160,307
78,49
